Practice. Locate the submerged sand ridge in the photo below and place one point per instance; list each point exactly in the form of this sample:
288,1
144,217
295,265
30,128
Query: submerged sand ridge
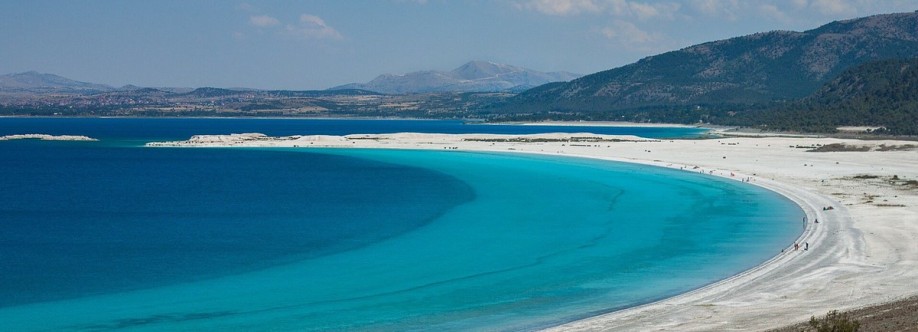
861,252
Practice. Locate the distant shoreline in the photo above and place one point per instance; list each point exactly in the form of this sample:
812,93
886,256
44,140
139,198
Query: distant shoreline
712,130
604,124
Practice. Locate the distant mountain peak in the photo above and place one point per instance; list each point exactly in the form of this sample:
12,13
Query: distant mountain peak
478,69
33,81
473,76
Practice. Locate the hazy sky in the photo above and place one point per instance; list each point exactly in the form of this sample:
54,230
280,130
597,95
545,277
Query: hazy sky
318,44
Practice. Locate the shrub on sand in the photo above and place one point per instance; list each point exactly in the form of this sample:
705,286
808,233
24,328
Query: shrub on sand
834,322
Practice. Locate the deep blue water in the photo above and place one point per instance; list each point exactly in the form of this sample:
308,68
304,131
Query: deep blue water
113,235
107,219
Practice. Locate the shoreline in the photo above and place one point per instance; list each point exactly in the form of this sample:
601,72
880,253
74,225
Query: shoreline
849,254
604,124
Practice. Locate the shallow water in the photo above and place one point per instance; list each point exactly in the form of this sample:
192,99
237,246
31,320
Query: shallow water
358,239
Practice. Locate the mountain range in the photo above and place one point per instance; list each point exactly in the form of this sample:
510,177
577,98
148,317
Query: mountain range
32,81
758,68
474,76
859,72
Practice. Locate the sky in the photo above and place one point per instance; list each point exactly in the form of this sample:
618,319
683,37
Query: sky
317,44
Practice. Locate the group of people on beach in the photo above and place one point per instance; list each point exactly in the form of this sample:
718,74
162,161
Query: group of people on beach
806,245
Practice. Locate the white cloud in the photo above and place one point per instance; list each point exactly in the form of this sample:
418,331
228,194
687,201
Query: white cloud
246,7
657,10
728,9
619,8
628,32
799,4
308,26
774,13
708,7
263,21
312,27
562,7
833,7
631,37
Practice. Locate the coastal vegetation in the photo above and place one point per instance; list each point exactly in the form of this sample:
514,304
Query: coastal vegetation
899,315
881,93
834,322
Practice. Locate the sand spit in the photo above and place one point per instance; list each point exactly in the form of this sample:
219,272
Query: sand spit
606,124
46,137
862,251
400,140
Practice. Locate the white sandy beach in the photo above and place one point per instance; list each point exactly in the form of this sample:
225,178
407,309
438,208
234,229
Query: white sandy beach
604,124
862,251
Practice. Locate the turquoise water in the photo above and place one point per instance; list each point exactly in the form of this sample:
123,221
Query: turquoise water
106,219
101,236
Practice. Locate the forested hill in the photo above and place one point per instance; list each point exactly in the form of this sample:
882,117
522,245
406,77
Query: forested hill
753,69
881,94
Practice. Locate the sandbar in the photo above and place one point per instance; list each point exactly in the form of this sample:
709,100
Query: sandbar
47,137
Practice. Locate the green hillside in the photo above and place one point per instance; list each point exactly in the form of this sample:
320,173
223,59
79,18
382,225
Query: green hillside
880,94
736,74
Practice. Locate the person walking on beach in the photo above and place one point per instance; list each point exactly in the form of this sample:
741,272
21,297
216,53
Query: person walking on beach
796,246
806,246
